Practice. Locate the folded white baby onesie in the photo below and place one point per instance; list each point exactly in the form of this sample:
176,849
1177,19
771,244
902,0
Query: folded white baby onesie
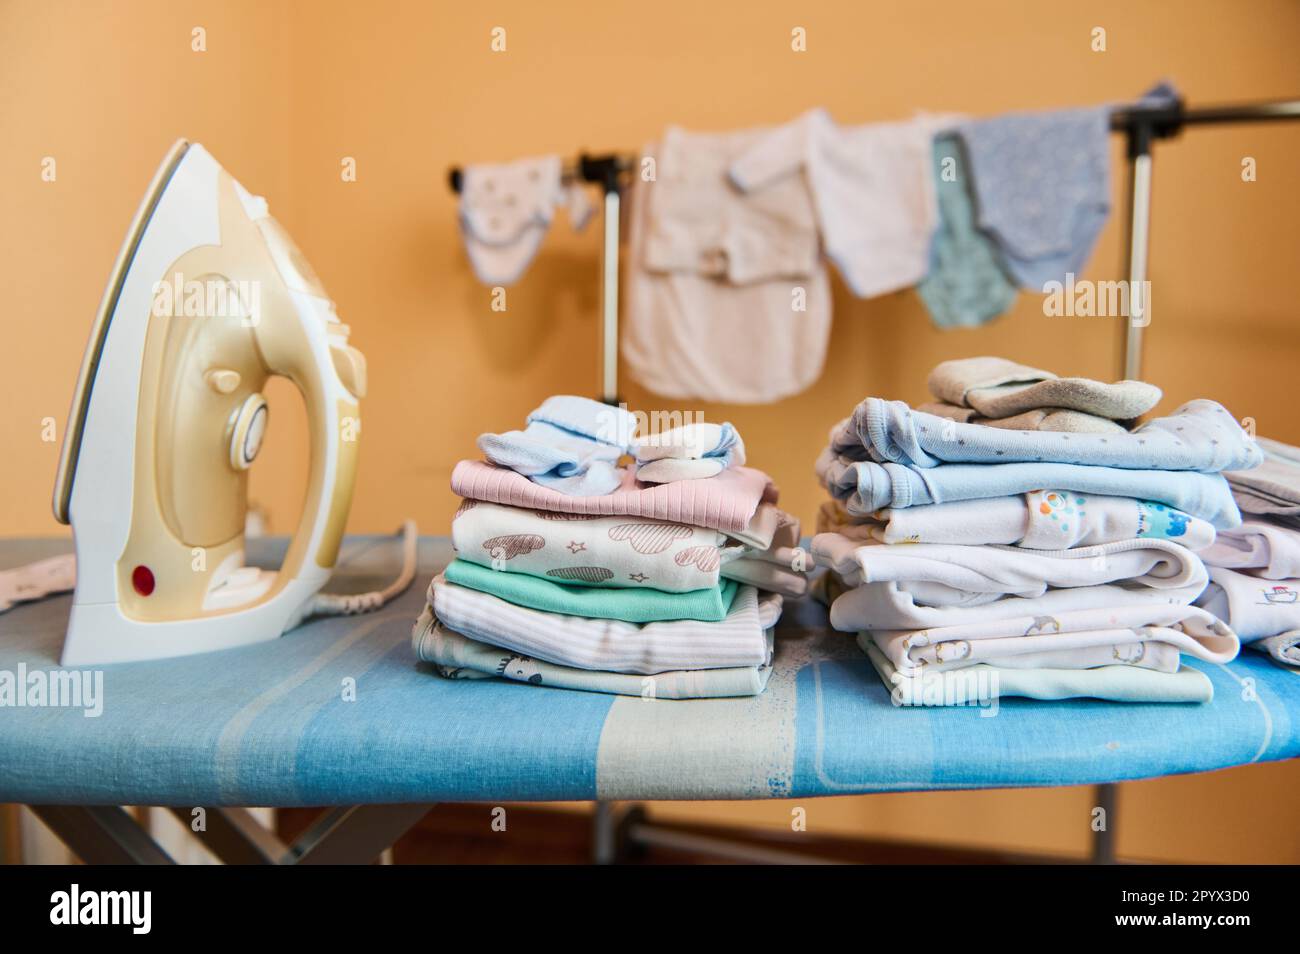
710,266
1041,520
951,575
872,187
1039,419
1253,606
506,209
996,387
1148,654
886,606
1075,644
459,657
1259,545
688,452
589,550
611,645
983,683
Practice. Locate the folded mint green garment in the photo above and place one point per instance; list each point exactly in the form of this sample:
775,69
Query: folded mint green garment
980,684
632,606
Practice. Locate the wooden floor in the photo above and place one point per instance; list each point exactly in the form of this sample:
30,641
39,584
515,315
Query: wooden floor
459,834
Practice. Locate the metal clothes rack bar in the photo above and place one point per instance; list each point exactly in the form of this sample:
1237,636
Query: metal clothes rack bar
607,172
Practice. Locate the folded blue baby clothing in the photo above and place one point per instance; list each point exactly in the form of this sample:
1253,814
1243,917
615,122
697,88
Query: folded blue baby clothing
966,285
570,444
1201,436
866,486
1042,188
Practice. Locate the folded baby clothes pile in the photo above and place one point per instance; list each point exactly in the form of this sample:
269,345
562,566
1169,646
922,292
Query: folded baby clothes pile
1255,568
663,577
964,578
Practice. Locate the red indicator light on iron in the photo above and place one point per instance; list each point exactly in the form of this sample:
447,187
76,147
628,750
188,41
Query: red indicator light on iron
142,580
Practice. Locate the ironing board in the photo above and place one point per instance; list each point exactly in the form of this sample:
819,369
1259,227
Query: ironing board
269,725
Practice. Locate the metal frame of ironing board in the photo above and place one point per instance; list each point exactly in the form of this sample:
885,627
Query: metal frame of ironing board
359,834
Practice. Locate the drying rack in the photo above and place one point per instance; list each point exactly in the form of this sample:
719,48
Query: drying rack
1141,125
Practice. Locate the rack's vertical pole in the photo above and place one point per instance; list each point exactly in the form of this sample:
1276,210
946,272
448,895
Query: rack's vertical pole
609,296
1139,233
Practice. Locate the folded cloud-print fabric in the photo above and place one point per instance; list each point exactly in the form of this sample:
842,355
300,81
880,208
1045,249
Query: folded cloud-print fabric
984,683
1201,435
459,657
726,502
613,645
951,574
866,486
632,606
580,550
1042,520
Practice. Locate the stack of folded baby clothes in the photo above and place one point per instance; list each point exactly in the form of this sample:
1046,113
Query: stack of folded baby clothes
1255,568
976,560
662,577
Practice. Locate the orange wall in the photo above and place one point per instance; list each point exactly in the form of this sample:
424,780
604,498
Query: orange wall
287,89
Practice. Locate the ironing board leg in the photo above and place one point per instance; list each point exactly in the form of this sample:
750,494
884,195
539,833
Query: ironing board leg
604,825
102,834
355,835
1103,847
236,837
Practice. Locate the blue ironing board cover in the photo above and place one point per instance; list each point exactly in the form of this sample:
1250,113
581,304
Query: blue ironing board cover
269,725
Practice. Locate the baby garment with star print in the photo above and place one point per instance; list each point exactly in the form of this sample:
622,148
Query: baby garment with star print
580,550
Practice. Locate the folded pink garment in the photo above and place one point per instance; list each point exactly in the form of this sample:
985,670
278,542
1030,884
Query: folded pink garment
725,502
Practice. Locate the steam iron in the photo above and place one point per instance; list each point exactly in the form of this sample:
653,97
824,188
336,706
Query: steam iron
209,297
